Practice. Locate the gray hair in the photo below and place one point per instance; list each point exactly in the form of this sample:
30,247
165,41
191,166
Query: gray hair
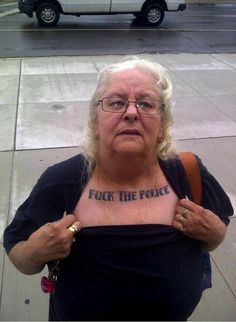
164,148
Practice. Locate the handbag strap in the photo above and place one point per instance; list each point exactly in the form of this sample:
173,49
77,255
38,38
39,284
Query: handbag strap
192,170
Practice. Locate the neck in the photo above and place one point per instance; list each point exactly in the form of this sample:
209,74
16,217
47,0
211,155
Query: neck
127,171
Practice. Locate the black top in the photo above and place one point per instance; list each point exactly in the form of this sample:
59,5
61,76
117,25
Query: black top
122,272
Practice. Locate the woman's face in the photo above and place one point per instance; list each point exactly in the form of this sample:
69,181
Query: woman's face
130,132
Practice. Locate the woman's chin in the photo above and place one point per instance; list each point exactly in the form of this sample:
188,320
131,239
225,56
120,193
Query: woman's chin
129,148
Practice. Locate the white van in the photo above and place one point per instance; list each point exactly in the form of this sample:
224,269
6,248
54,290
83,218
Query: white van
150,12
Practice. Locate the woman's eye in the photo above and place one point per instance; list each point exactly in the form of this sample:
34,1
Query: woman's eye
145,105
117,104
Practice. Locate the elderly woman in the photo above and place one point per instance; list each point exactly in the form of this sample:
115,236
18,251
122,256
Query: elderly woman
137,254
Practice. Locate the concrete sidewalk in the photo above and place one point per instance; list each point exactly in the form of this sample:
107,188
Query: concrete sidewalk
43,111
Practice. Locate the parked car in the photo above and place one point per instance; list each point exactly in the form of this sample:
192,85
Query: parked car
150,12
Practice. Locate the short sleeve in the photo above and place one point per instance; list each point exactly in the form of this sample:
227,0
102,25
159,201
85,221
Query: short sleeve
42,206
214,197
57,190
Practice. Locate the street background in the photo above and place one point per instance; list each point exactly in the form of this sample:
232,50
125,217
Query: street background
43,111
208,28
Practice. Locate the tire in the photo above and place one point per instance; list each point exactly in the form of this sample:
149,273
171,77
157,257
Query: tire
48,14
137,15
153,15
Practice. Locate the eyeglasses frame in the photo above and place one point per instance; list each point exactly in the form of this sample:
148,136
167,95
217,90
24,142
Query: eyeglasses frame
128,103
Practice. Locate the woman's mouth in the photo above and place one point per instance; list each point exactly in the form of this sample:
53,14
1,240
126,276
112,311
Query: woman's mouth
133,132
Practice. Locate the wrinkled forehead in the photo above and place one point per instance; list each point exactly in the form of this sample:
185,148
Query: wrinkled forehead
131,80
133,75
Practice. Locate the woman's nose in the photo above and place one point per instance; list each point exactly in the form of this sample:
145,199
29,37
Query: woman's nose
131,111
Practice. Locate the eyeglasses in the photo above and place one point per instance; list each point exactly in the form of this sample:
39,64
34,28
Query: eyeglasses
145,106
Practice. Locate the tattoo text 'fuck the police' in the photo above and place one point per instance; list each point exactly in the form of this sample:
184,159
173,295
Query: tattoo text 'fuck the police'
124,196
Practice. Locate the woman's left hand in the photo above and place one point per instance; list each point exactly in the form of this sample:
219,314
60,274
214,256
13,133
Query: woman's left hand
199,223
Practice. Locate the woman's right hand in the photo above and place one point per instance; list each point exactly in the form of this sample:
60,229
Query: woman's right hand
50,242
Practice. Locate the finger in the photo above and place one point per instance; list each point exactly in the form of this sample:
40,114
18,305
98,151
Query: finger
77,224
181,219
183,211
186,203
66,221
180,222
64,214
59,220
178,225
74,229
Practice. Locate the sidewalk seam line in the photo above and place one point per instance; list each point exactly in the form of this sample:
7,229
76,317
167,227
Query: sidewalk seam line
2,279
7,219
219,109
217,56
207,138
226,282
17,105
11,180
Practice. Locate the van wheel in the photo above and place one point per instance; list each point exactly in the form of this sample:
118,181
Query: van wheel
48,14
137,15
153,15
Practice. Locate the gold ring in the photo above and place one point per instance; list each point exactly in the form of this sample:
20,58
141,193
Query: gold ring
181,219
184,212
74,229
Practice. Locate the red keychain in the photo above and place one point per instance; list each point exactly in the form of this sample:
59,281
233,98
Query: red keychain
48,283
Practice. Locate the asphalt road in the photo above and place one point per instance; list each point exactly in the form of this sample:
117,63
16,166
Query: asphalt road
199,29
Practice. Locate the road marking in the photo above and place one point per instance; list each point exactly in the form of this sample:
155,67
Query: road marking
210,16
10,12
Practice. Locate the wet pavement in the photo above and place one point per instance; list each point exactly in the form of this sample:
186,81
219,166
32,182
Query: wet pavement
8,8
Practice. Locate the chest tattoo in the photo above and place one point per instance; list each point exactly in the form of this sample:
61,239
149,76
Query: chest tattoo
124,196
